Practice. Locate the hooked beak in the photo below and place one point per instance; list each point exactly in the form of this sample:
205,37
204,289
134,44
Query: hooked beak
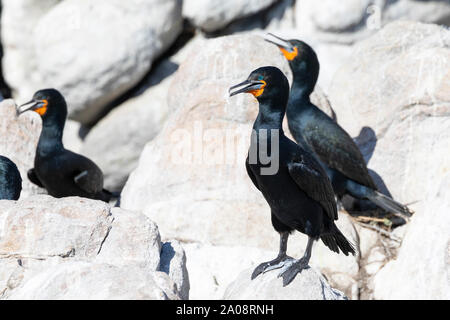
281,43
35,104
246,86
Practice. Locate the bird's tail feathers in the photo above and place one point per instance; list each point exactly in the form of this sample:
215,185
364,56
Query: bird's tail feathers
389,204
336,240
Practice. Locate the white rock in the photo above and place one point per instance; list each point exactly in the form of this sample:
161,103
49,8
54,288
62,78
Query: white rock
43,226
116,142
132,239
213,268
71,136
173,263
19,19
112,46
353,20
422,268
81,280
308,285
75,248
211,15
434,11
367,240
375,261
20,136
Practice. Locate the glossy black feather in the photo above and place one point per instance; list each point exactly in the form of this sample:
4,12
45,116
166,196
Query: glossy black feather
332,144
10,180
329,142
310,177
299,194
56,168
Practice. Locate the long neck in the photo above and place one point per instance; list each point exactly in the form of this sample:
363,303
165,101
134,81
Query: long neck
268,118
299,97
50,140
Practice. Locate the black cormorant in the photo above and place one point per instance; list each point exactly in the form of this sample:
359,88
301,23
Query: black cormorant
10,180
312,128
61,172
294,184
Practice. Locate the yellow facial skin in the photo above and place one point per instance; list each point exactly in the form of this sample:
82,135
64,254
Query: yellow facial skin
260,91
290,55
42,110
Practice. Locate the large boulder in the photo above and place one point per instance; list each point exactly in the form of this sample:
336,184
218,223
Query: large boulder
116,142
18,22
86,281
397,83
80,248
308,285
94,51
212,15
354,20
208,136
422,268
18,142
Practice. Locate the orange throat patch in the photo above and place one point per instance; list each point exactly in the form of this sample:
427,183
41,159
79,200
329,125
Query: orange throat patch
260,91
42,110
290,55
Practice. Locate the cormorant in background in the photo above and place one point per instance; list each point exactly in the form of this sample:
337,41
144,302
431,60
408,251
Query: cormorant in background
60,171
312,128
299,193
10,180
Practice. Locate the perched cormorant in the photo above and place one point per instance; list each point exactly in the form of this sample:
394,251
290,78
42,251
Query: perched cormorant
10,180
312,128
62,172
298,192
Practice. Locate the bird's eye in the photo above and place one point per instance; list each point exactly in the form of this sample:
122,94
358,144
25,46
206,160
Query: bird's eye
260,78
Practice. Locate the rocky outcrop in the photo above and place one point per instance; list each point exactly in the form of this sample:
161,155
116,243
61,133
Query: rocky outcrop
18,21
308,285
422,268
112,46
87,281
116,142
212,15
354,20
19,138
75,248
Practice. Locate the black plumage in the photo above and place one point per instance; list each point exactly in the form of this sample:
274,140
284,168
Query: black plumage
299,193
314,129
10,180
61,172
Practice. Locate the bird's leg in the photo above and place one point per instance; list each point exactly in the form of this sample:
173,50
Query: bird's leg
278,262
291,268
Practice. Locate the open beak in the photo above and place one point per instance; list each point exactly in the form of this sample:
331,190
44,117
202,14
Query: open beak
281,43
30,105
246,86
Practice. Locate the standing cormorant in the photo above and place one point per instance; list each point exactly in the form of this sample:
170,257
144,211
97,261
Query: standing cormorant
10,180
299,192
62,172
312,128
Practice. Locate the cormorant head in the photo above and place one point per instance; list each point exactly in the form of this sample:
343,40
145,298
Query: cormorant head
10,180
48,103
302,58
266,84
